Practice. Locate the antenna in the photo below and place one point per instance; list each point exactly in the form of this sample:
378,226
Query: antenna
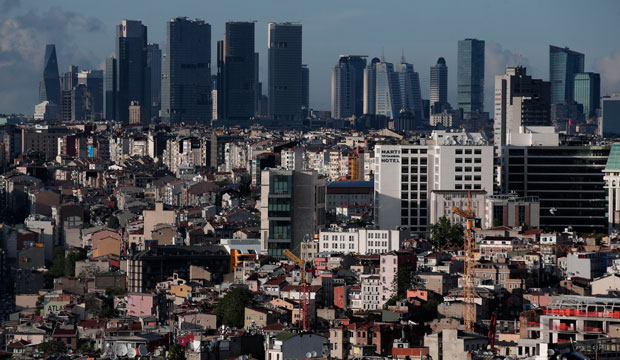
382,54
402,56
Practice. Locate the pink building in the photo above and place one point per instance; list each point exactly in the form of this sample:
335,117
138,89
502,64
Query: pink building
390,263
139,304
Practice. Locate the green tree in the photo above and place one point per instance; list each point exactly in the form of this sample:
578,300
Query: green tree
39,305
443,233
107,312
87,349
113,222
70,262
54,347
175,353
58,262
231,309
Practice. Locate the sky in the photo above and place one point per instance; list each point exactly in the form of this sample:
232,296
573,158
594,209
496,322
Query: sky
515,31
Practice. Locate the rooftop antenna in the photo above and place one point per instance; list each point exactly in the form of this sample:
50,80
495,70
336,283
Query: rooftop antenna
402,57
382,54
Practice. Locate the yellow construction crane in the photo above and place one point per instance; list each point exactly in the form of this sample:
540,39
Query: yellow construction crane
304,297
469,315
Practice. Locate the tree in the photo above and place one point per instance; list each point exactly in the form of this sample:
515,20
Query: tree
175,353
39,305
230,310
107,312
443,233
113,222
70,262
54,347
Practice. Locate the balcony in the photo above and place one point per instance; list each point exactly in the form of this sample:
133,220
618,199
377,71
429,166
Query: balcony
563,327
581,313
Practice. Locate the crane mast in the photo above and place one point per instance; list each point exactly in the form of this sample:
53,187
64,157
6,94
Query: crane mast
304,297
469,289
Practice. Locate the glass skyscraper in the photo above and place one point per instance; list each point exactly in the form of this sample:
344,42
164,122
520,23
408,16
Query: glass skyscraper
153,63
110,88
133,80
284,52
348,86
587,92
49,88
237,86
439,85
563,65
186,81
470,75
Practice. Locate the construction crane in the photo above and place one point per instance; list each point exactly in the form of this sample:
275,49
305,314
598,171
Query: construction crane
304,297
469,315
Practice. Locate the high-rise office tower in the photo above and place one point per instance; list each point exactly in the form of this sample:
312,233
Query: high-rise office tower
439,86
110,88
388,98
68,81
520,101
587,92
370,87
49,88
348,86
186,80
284,52
470,75
153,63
236,92
305,86
411,95
563,65
132,73
87,96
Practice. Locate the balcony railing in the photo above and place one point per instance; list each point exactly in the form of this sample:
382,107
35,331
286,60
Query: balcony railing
577,312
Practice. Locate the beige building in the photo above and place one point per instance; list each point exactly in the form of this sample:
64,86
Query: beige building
454,344
155,217
605,284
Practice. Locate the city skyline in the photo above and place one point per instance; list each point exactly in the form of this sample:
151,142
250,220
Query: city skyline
87,33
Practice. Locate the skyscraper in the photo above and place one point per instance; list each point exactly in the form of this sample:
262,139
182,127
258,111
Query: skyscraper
153,63
587,92
49,88
132,73
520,101
470,75
110,88
563,65
305,86
87,96
284,52
348,86
439,86
186,81
411,95
236,92
370,87
388,91
68,81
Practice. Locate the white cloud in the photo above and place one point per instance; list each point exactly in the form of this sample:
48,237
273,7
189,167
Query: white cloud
609,68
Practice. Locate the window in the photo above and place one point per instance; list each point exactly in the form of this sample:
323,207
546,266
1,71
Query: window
458,169
478,160
458,160
468,151
458,177
477,151
477,169
468,160
405,160
458,151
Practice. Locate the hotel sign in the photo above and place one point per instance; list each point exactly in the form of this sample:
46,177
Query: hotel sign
390,156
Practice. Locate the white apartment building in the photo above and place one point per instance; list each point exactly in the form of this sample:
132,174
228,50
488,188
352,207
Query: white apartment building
361,241
461,161
293,159
405,175
401,187
371,292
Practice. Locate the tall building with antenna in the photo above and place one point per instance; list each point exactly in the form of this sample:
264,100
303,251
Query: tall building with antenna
439,86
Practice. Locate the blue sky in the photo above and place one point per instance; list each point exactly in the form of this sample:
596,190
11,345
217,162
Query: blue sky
515,32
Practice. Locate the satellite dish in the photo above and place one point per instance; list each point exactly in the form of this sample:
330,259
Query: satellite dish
314,354
157,352
308,355
142,350
112,356
131,353
120,350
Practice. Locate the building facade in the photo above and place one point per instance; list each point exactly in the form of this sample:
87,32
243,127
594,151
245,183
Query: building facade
348,86
439,86
564,64
470,75
186,80
285,90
